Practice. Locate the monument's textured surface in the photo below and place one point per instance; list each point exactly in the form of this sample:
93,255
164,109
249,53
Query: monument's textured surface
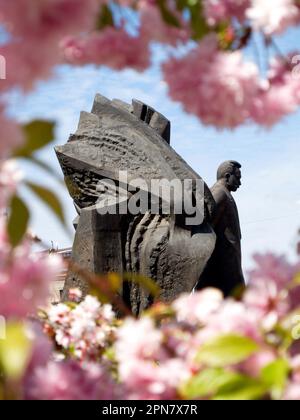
135,138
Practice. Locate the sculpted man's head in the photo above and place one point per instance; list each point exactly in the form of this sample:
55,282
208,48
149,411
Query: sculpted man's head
229,173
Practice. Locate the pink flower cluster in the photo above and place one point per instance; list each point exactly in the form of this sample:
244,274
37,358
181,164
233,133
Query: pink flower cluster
216,86
147,368
51,377
273,17
69,380
11,136
224,91
217,11
156,355
25,278
279,95
88,328
155,361
151,18
111,47
115,48
292,392
47,18
269,294
35,30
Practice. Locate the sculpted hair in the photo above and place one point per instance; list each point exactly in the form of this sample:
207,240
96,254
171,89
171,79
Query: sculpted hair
227,167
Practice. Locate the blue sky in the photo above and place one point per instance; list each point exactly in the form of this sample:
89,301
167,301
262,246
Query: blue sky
269,200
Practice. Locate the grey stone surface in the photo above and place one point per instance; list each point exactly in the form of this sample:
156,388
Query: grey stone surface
113,137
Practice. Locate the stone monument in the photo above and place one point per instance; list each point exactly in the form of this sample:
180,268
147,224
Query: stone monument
224,269
115,138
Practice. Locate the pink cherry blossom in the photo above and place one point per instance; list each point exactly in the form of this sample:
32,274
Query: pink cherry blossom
25,279
59,314
11,136
68,380
197,308
292,392
28,61
273,17
137,339
269,293
75,295
42,348
272,103
152,381
270,303
153,28
88,328
222,10
145,368
279,95
239,320
35,29
111,47
216,86
48,18
295,366
273,268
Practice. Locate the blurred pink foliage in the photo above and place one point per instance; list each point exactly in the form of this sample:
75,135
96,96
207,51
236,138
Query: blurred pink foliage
157,354
226,85
68,380
88,329
221,10
128,51
273,17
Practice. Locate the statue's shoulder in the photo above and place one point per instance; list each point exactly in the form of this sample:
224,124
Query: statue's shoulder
219,193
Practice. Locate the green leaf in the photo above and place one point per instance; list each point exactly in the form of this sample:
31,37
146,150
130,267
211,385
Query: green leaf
15,350
49,198
226,350
18,220
296,280
181,5
167,15
105,18
47,168
38,134
143,281
101,296
221,384
206,383
199,25
241,388
275,377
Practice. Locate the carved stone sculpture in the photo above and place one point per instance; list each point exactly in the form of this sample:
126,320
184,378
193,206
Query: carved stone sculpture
224,269
134,138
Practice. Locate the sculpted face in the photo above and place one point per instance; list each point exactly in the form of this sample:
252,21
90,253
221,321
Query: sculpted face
233,180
